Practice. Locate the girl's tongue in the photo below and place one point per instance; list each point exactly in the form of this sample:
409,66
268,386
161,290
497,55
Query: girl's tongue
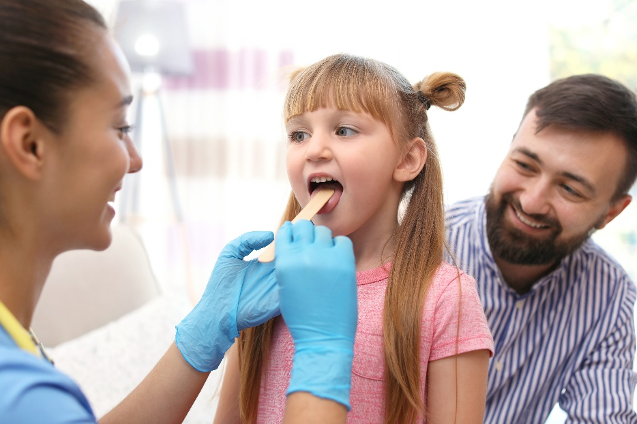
331,204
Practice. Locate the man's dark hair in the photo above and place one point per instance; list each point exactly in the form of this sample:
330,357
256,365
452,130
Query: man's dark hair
591,103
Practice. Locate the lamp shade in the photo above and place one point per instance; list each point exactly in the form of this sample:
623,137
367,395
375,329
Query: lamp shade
153,35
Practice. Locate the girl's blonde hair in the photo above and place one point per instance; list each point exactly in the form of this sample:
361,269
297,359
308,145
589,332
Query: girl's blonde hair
365,85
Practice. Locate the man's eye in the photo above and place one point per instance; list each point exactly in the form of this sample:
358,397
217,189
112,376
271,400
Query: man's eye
569,190
522,165
345,132
298,136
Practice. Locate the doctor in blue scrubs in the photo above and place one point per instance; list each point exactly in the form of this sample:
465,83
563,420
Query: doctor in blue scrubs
64,151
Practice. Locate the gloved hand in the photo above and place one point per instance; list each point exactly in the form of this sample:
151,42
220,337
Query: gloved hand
239,294
317,290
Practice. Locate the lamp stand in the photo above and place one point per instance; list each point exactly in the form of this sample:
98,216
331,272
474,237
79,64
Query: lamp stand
150,87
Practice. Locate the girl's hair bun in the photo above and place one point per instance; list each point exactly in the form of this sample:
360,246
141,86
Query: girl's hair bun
443,89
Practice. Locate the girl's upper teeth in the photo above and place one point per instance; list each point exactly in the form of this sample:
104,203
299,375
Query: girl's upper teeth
321,179
527,222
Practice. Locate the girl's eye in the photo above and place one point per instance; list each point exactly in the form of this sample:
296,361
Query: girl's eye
345,132
298,136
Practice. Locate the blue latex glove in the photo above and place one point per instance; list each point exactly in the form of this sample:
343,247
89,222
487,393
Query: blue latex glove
317,290
239,294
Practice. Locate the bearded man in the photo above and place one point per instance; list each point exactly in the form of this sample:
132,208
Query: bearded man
559,307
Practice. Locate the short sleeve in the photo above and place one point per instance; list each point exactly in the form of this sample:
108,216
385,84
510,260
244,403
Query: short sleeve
459,322
35,392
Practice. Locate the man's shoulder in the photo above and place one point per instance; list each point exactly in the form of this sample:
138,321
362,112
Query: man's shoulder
599,263
594,253
464,226
462,206
463,211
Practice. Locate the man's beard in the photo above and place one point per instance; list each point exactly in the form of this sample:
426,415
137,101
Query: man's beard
514,246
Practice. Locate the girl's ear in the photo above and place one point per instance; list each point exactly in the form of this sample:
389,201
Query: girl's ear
412,161
21,142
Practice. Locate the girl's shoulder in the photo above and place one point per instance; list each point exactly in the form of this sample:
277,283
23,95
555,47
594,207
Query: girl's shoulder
453,318
447,273
449,280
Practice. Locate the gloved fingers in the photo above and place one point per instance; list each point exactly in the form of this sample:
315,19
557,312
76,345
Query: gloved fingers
245,244
259,299
323,236
303,232
343,245
284,235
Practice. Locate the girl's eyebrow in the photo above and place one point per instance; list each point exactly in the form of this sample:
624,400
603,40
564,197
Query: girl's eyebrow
335,114
294,120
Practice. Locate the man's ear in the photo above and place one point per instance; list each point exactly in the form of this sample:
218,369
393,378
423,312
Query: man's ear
20,140
615,209
412,162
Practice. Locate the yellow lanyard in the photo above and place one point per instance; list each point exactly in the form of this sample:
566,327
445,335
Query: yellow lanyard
25,340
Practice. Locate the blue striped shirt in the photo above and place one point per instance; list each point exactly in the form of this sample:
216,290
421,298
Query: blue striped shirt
571,339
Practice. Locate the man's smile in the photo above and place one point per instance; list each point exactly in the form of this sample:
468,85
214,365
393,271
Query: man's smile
528,221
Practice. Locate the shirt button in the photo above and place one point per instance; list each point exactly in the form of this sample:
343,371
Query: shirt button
499,365
519,304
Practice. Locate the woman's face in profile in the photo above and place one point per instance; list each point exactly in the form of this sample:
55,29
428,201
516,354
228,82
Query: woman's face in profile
93,152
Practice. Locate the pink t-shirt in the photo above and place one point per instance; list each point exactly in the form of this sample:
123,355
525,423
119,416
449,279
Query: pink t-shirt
439,339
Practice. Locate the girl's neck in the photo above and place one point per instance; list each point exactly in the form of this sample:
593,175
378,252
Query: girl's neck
373,249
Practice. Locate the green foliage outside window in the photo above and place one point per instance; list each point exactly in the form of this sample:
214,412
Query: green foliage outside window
605,43
600,37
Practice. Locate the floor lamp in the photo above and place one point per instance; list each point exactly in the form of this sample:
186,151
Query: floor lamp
153,35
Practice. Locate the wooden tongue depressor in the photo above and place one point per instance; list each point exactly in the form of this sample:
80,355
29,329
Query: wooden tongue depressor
314,205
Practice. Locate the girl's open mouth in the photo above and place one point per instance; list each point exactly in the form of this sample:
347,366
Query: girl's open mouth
316,183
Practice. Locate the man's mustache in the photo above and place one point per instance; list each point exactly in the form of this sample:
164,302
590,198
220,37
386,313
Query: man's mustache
539,218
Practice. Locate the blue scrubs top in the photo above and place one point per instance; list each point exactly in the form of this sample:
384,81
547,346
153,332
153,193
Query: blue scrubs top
32,390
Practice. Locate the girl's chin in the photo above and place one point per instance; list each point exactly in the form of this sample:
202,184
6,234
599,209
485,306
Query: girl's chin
334,227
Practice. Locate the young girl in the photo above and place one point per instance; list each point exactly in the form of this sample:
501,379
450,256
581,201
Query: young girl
422,343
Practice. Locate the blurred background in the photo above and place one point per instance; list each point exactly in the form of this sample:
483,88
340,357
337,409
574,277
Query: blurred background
209,78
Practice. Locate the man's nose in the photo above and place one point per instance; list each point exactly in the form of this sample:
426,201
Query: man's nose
535,198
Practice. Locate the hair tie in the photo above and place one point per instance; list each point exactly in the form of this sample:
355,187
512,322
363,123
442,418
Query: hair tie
424,100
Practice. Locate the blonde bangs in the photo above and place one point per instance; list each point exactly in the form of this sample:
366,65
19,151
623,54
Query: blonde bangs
346,83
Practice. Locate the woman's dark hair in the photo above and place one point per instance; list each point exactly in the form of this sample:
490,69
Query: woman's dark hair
591,103
43,49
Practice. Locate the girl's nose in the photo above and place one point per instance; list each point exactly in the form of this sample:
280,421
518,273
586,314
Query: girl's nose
318,148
